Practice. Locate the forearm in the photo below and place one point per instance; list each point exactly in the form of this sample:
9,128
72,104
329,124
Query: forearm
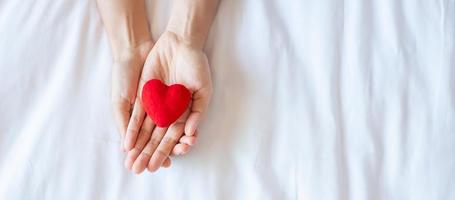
126,24
192,20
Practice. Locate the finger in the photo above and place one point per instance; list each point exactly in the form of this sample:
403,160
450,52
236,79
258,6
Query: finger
166,145
189,140
201,99
166,163
131,157
180,149
184,144
134,124
122,115
142,138
144,157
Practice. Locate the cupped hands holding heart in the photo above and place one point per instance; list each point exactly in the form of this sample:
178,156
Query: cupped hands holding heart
159,91
153,135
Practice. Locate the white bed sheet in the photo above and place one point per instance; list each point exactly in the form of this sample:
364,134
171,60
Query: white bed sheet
314,99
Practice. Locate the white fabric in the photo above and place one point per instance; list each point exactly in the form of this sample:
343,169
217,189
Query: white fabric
314,99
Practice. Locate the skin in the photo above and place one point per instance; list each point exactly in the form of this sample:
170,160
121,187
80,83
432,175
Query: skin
177,57
169,61
129,36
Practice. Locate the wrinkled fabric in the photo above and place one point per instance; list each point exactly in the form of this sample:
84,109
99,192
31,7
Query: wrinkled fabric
313,99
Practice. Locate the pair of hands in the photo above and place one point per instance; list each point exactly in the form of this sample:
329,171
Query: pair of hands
172,59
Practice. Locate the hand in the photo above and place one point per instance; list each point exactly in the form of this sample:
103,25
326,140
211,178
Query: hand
173,59
126,73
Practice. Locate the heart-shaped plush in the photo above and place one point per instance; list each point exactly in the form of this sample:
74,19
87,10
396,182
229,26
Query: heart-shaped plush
164,104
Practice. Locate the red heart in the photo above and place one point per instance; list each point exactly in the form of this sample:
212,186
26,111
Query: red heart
164,104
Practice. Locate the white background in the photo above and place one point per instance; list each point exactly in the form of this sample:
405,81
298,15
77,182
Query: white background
314,99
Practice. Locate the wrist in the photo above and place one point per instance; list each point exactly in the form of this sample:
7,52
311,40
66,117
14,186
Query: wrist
188,38
128,36
137,52
191,21
126,24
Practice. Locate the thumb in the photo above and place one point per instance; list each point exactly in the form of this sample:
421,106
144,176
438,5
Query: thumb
200,101
122,114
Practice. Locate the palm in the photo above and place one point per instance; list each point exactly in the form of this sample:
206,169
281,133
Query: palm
174,62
